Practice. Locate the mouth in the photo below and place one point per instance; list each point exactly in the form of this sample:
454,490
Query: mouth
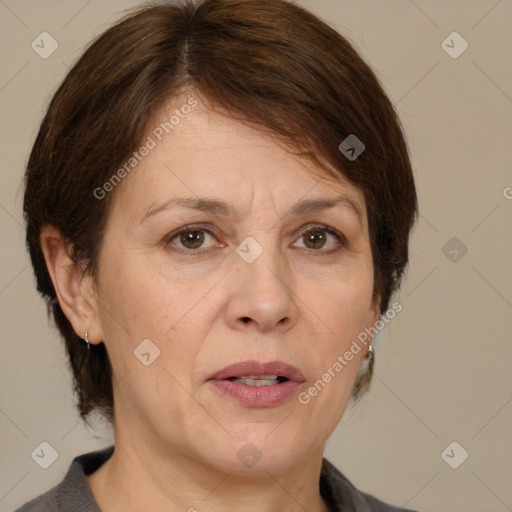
255,384
255,373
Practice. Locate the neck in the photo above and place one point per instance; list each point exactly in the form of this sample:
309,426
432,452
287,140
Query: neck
138,477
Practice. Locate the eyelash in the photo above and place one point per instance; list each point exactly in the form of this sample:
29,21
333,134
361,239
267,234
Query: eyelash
201,227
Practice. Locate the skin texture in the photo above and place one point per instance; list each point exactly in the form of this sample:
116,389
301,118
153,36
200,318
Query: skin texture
177,438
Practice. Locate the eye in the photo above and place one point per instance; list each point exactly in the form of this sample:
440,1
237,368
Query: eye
316,238
189,238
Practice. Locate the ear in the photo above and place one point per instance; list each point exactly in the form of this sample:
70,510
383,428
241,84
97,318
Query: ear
75,289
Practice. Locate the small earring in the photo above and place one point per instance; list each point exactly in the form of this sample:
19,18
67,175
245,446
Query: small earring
87,340
370,354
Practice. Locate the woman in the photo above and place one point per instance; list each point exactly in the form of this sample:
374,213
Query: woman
218,207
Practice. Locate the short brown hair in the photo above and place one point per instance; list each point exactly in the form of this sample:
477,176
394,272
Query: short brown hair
269,63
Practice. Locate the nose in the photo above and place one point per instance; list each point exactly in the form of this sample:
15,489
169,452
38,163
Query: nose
261,295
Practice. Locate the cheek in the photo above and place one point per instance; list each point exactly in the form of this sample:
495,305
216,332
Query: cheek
138,303
344,315
345,302
340,312
139,306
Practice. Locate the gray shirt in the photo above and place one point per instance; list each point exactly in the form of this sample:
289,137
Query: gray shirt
74,495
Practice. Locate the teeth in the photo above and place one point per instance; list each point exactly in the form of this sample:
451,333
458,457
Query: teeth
258,376
265,380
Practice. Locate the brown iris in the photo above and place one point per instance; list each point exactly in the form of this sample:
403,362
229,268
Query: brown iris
316,237
192,239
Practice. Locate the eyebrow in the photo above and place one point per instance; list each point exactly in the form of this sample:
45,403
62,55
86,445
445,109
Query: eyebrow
216,207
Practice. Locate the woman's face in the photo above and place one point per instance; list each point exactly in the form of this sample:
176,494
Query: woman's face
211,297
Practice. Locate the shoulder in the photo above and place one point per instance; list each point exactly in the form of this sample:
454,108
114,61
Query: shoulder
341,495
73,492
46,502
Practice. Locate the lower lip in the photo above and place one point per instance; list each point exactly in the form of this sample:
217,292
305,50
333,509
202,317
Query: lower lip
257,396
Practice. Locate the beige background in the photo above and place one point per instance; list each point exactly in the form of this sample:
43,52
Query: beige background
443,366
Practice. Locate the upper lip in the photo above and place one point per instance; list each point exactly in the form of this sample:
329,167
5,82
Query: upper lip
245,368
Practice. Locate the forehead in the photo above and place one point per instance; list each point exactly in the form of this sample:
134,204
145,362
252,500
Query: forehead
204,153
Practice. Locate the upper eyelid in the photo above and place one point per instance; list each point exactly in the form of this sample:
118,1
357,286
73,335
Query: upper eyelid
189,227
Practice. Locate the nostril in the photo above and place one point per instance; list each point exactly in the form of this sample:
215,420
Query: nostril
246,319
